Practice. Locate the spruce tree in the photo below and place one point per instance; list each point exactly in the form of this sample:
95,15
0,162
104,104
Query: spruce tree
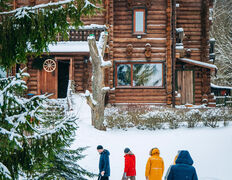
29,30
35,135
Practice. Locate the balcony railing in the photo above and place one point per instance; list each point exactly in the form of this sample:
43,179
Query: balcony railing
82,34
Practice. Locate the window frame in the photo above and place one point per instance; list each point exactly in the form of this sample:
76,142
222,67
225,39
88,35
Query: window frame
139,9
131,65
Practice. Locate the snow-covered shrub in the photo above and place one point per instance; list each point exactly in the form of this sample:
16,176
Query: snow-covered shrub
211,117
193,117
151,120
163,118
172,118
115,118
134,112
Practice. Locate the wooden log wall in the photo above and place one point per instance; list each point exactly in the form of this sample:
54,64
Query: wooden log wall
169,52
121,19
82,75
189,18
193,17
33,80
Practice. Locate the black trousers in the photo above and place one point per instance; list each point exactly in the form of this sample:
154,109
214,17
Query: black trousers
103,178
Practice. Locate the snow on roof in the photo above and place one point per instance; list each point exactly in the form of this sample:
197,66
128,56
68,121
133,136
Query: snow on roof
199,63
69,46
220,87
179,30
93,26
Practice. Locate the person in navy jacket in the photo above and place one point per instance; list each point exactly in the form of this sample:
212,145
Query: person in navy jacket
183,169
104,163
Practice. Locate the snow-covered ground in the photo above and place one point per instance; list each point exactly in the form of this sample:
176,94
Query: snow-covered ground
211,149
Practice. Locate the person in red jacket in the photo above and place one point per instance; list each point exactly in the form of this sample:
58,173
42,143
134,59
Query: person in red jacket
130,162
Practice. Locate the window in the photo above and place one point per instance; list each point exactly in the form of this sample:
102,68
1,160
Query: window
124,74
139,16
139,74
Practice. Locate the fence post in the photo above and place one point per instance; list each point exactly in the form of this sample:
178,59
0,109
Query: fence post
225,100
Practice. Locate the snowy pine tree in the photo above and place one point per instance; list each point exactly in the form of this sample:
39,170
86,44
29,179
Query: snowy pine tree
35,135
29,30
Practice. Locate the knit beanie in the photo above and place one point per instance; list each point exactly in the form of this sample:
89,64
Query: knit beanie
99,147
126,150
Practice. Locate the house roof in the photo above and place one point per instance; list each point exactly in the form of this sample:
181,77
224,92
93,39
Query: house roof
199,63
220,87
69,47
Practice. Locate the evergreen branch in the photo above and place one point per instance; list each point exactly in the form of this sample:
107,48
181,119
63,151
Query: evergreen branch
41,6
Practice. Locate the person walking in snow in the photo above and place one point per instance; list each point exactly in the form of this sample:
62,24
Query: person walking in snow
183,169
130,163
176,157
155,166
104,163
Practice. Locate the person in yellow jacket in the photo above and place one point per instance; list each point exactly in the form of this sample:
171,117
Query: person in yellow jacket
155,166
176,157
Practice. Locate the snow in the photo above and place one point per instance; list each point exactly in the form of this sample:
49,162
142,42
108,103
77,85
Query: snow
180,47
32,9
179,30
69,46
210,148
220,87
22,11
93,26
100,49
2,73
105,88
199,63
4,170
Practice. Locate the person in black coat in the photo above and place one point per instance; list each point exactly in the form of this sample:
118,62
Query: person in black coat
104,163
183,169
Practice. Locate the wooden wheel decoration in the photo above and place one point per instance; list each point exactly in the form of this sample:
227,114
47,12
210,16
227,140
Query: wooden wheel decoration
49,65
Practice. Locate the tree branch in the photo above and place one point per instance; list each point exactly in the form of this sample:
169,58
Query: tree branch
90,101
41,6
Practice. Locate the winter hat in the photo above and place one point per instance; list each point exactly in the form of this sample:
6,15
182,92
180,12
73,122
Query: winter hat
126,150
99,147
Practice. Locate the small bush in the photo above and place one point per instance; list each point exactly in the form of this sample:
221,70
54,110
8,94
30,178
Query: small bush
193,117
144,117
151,121
211,117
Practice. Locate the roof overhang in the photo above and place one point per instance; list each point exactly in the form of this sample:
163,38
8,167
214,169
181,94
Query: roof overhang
220,87
213,68
69,47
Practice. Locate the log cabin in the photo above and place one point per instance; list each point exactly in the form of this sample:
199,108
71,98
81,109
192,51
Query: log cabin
159,50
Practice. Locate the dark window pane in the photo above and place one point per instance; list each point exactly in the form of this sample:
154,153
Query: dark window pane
147,75
124,74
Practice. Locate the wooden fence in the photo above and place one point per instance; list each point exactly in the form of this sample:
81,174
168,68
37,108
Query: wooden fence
223,101
81,34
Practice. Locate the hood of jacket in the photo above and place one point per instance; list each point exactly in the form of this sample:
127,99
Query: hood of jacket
129,155
106,152
155,151
184,158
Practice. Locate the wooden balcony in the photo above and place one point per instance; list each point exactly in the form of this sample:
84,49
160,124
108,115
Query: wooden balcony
82,34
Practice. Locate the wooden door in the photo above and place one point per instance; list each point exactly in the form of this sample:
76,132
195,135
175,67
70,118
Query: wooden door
48,82
185,86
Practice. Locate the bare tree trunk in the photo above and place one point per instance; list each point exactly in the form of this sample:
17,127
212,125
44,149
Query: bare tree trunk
96,100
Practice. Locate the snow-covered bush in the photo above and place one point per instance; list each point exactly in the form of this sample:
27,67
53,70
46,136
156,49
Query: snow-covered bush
151,120
163,118
115,118
211,117
193,117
